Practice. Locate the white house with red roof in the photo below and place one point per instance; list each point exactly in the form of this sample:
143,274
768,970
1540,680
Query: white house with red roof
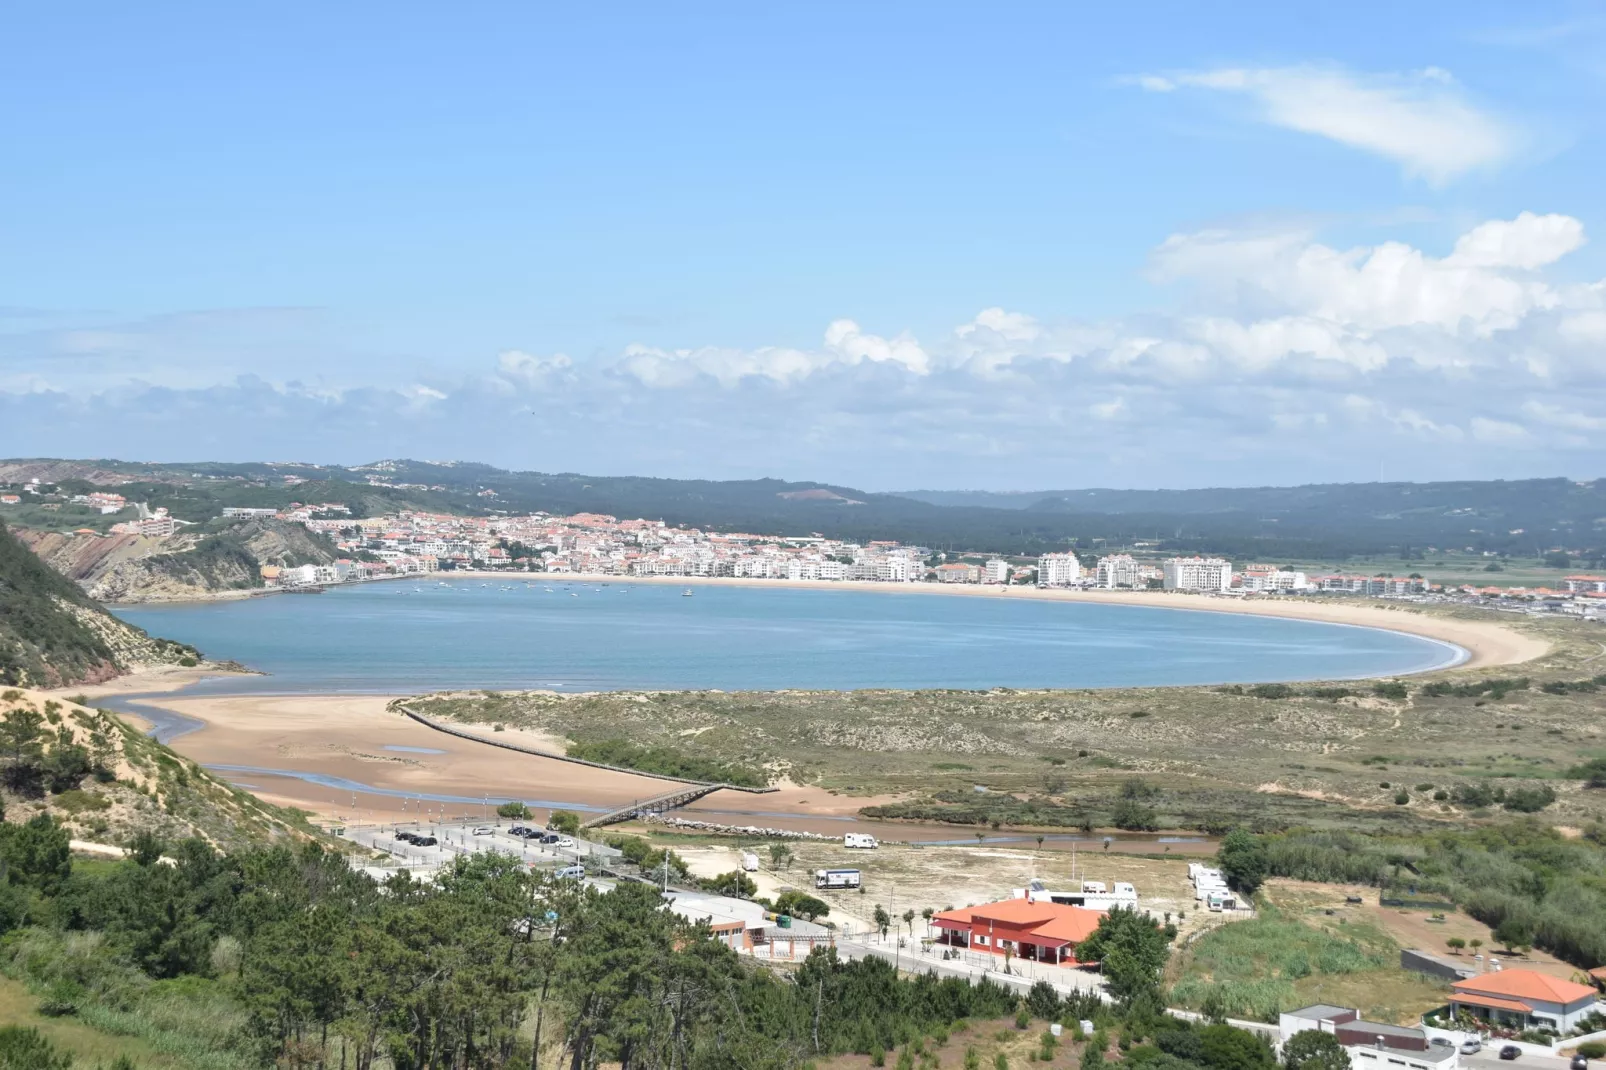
1524,999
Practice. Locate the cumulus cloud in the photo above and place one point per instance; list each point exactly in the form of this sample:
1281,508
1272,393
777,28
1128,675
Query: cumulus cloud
1298,361
1424,120
845,345
1485,284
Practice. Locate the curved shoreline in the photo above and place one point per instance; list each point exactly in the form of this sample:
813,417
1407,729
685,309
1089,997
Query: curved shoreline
1484,643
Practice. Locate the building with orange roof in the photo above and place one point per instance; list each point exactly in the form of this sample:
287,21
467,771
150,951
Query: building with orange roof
1040,931
1524,999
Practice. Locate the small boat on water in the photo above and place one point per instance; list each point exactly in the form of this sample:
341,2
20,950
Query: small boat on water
686,593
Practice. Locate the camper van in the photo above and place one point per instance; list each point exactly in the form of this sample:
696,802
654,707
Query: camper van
836,878
859,839
749,862
1124,895
576,873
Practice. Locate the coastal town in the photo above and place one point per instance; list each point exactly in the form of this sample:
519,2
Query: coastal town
593,545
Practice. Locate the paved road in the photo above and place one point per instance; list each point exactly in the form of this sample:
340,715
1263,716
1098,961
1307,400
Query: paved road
1489,1058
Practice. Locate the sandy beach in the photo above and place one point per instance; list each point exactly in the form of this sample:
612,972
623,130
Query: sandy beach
356,740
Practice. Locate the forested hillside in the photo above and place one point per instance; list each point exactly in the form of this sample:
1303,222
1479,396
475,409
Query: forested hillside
53,635
1317,522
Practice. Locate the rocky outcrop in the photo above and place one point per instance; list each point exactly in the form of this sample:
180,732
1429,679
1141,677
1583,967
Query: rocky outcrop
201,562
53,635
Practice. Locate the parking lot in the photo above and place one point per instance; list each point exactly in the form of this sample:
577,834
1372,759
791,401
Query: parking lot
454,838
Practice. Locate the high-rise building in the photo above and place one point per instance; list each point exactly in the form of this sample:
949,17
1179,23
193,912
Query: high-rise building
1058,570
1119,570
1197,574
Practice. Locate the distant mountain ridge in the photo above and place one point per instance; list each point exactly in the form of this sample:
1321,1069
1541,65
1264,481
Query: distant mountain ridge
1314,522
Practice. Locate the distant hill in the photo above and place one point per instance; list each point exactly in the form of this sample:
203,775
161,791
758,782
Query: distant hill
219,555
54,635
1327,522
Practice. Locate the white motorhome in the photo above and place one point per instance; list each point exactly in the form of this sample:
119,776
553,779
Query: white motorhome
836,878
749,862
1124,895
859,839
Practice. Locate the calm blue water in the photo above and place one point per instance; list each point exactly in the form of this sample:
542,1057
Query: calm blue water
395,637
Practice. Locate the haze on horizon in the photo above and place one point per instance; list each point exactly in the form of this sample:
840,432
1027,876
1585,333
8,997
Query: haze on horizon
911,246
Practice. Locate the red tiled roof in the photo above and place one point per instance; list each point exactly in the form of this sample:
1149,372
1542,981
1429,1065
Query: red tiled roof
1050,922
1526,984
1491,1002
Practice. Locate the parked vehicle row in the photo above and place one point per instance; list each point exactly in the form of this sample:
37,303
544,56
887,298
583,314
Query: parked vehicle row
417,839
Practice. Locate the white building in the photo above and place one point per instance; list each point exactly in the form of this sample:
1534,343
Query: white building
1058,570
1265,578
1119,570
1197,574
1525,999
997,571
1370,1045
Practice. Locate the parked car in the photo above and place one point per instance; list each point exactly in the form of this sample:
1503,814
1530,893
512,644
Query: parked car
424,841
1471,1046
1509,1052
517,830
551,837
483,830
571,873
405,837
1441,1042
566,842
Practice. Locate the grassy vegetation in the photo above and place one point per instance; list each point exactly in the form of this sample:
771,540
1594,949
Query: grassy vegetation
92,1047
665,761
1327,756
100,1003
1457,567
1523,879
108,782
1280,960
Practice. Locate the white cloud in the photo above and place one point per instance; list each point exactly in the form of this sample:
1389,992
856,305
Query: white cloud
1556,416
1423,121
1485,284
529,368
845,344
1530,241
1500,432
1296,361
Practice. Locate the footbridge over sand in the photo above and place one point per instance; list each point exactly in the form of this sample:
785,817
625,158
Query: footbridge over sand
669,800
689,792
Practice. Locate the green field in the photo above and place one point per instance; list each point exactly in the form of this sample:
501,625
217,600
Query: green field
1284,958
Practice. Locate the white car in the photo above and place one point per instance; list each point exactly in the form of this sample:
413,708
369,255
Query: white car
482,831
1471,1046
567,841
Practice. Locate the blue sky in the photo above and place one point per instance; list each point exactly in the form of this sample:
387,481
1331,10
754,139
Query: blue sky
996,246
